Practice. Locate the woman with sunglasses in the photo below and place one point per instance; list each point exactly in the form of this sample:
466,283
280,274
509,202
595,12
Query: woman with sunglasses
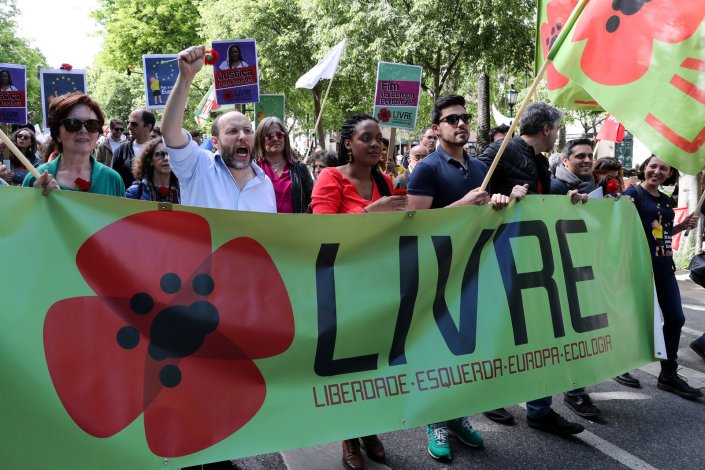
26,142
154,180
291,179
75,122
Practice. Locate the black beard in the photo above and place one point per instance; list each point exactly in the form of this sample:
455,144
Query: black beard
229,160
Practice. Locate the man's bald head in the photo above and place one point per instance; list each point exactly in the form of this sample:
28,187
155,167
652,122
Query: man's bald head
416,154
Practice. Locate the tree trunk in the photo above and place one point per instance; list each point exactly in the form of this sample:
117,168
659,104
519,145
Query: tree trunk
320,135
483,112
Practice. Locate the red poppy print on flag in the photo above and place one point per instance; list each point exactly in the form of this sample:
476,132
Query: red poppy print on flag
558,12
620,35
171,332
384,115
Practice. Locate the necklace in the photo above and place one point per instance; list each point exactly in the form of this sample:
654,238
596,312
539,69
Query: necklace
276,166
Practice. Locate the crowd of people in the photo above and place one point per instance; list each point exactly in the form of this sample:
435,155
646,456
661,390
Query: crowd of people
255,169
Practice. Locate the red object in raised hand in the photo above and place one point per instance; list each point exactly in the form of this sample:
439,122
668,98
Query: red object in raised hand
211,56
399,192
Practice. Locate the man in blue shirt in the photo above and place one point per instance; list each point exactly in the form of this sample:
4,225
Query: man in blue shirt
230,179
448,178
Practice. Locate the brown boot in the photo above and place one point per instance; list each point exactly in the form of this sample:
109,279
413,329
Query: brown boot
374,448
352,458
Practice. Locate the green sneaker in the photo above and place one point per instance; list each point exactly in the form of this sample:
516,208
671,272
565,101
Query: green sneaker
438,446
465,433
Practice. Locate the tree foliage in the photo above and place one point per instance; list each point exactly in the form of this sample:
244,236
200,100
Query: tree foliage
453,41
17,50
130,29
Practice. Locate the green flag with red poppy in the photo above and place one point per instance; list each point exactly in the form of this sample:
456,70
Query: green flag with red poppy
552,18
642,61
145,335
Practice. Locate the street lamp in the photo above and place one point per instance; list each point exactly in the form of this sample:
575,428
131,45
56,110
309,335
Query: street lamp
512,97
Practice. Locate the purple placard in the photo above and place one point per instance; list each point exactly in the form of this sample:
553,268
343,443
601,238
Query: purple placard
13,94
397,93
236,74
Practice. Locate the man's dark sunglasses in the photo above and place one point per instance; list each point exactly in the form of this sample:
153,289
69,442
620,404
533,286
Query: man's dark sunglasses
453,119
74,125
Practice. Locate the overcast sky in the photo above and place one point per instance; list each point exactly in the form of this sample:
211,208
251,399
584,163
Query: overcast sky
61,30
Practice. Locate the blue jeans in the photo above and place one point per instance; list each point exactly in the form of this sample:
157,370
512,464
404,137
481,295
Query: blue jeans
540,408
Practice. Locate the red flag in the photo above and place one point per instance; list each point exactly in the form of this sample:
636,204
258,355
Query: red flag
612,130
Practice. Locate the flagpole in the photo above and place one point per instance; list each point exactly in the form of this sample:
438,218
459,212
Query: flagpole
20,156
539,75
513,127
320,114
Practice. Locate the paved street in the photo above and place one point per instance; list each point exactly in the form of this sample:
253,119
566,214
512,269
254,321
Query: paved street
643,428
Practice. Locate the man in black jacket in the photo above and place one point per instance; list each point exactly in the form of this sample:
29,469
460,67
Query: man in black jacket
523,163
140,125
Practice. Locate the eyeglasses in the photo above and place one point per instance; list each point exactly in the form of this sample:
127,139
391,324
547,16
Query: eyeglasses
74,125
133,124
453,119
118,129
23,137
161,155
279,135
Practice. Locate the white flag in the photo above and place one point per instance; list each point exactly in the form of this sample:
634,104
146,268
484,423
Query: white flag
323,69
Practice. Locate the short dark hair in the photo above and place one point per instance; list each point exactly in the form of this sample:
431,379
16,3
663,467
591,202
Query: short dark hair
445,102
571,144
501,129
148,118
385,141
538,115
62,105
675,174
114,121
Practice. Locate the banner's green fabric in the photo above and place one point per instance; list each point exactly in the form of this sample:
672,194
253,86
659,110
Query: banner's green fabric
134,337
643,63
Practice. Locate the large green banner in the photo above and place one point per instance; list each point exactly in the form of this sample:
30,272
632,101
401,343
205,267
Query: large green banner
136,335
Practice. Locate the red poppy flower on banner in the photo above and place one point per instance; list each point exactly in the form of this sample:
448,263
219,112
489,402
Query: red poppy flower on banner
620,35
558,12
228,95
384,115
171,332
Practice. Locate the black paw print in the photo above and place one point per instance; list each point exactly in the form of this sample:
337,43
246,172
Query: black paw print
626,7
178,330
555,31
